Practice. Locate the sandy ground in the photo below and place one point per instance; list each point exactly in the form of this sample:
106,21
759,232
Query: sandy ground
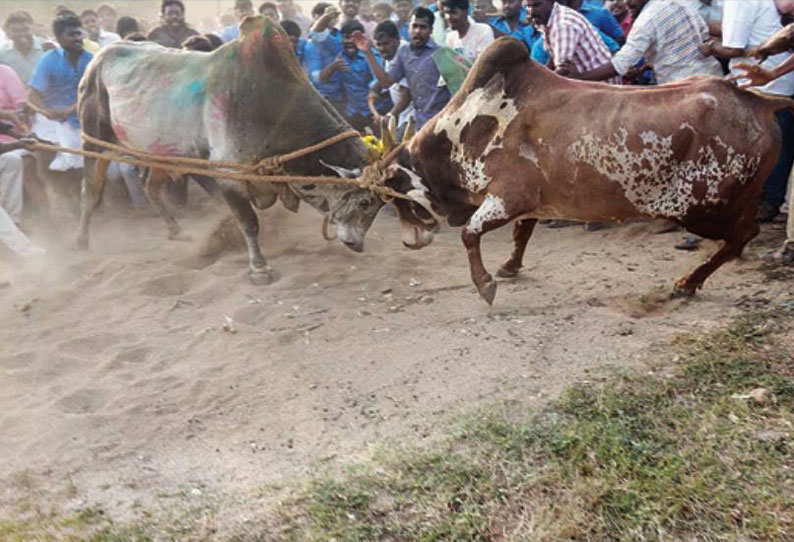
118,379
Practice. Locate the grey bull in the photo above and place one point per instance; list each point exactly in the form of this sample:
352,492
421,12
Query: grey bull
243,102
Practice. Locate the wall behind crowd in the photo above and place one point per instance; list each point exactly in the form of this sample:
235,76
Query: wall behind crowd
201,14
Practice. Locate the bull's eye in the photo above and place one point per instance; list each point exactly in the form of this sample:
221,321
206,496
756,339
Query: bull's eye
365,204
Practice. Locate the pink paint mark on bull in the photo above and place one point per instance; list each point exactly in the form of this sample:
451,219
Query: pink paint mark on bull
169,149
120,131
221,107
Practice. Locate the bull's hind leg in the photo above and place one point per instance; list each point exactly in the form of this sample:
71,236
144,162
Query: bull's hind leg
259,272
94,176
522,231
155,181
742,232
489,216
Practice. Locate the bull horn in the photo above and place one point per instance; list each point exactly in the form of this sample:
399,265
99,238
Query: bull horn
386,137
326,236
410,129
343,172
393,127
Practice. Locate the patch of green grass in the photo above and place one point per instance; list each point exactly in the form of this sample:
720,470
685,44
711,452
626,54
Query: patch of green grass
683,457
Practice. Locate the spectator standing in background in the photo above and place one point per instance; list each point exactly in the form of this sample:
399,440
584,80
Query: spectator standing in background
242,9
467,38
745,26
414,63
510,23
108,18
571,40
387,42
95,32
668,34
298,43
25,49
269,9
622,14
381,12
288,12
127,26
174,31
600,18
402,14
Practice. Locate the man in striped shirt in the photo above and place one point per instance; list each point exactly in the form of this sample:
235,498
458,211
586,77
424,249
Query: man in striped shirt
668,33
573,42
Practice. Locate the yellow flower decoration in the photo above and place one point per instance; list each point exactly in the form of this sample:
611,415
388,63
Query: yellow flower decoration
374,147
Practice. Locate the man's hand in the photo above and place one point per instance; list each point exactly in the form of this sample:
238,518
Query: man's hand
361,41
339,64
28,143
636,71
567,69
706,48
757,75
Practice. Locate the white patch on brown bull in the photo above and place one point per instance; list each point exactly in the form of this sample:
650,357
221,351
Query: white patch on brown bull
487,101
653,180
492,208
526,151
419,191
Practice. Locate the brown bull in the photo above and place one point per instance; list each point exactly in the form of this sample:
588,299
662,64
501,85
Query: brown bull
519,143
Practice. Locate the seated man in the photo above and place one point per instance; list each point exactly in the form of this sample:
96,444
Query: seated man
12,98
53,91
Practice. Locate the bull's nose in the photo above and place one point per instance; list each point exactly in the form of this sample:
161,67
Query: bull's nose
355,246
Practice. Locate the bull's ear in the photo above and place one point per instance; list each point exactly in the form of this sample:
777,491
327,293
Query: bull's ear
410,129
386,137
252,25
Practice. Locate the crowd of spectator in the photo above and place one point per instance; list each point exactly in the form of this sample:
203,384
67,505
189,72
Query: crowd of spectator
398,58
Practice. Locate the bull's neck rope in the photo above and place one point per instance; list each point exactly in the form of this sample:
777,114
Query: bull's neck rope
269,169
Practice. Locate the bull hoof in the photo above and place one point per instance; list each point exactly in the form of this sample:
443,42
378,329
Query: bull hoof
682,292
488,292
179,236
507,272
261,277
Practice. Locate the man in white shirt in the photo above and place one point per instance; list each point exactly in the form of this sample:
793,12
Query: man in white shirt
668,34
95,32
466,37
745,26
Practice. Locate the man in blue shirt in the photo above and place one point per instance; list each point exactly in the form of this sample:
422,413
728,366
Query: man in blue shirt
293,31
322,49
513,22
355,75
414,62
53,90
402,9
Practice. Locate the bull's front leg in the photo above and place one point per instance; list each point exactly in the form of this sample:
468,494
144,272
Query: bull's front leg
489,216
259,272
